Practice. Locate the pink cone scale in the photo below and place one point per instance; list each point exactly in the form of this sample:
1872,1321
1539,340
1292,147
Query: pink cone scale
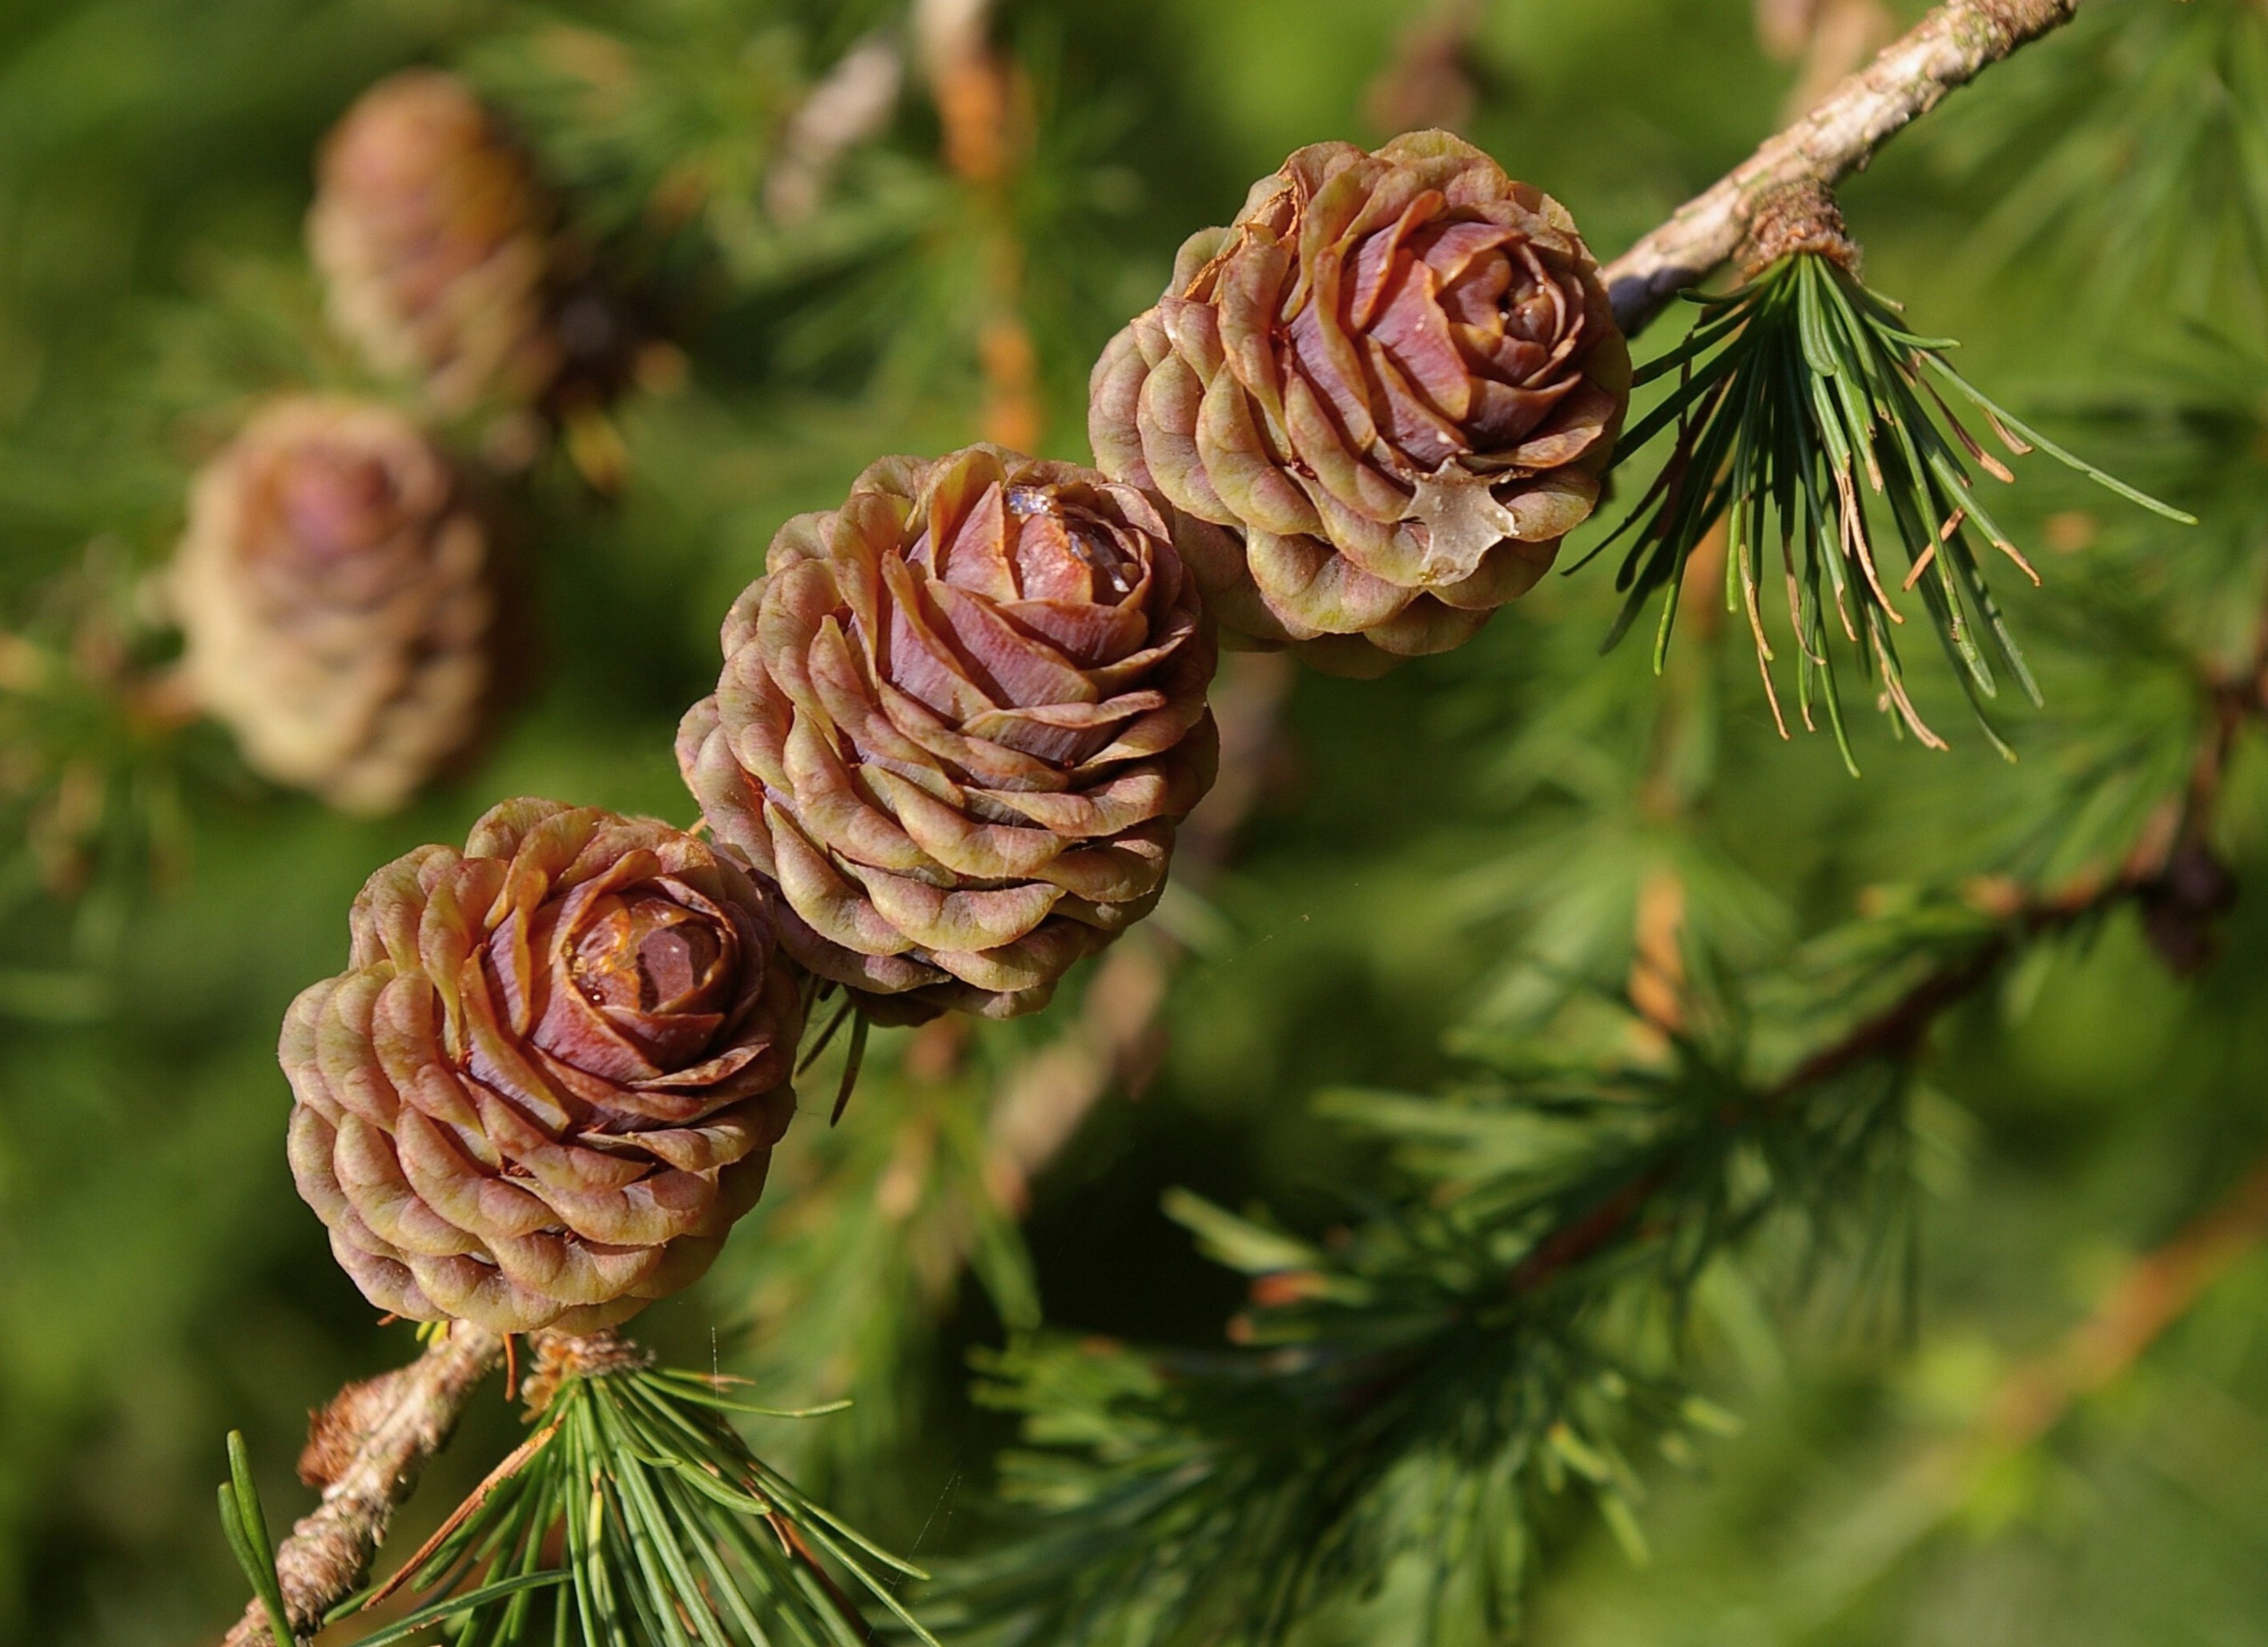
957,720
1383,395
551,1076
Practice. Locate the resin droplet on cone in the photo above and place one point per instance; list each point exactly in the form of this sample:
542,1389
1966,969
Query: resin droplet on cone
551,1076
958,720
338,599
1389,388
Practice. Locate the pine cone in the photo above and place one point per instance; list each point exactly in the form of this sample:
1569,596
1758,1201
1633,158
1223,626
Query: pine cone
1394,383
958,720
338,598
435,241
550,1078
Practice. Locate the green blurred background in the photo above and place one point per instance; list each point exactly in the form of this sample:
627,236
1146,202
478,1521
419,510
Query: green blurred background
1423,854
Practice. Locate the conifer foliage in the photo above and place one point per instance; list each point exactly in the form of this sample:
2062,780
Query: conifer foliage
1177,1048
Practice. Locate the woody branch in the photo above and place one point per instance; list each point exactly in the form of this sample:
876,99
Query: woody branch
1947,50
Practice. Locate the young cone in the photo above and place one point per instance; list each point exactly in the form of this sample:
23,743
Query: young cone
550,1078
1390,386
959,719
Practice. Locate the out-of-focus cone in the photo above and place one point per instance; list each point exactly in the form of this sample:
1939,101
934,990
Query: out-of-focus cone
338,598
1429,83
436,243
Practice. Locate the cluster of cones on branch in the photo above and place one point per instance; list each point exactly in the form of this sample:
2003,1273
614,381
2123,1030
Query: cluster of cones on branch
958,722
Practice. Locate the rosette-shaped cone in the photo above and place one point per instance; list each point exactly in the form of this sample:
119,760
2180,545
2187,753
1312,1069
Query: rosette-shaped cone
550,1078
434,240
1392,383
958,720
338,598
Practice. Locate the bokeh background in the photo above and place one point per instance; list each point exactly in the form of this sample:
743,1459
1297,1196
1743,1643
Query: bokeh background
1393,870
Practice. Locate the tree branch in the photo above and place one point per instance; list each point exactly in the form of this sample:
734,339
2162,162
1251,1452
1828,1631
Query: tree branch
1948,48
365,1450
2171,873
2150,1294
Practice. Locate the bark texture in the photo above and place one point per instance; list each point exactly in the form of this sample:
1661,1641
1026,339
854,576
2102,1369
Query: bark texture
1946,50
372,1443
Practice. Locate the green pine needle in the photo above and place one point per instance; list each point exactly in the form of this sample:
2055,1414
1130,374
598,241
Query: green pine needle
245,1526
853,1061
456,1607
844,1011
1414,1394
642,1506
1805,415
2128,165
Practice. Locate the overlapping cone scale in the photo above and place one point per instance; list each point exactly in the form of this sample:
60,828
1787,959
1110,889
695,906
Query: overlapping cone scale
435,241
1389,389
338,598
958,720
550,1078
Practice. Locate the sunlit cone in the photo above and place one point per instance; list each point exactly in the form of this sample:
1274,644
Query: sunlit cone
550,1078
434,239
958,720
1392,383
338,598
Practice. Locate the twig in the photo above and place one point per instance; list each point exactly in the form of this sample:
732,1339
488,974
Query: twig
1947,50
851,107
1590,1232
1897,1031
1042,1101
983,105
2160,874
2149,1296
366,1450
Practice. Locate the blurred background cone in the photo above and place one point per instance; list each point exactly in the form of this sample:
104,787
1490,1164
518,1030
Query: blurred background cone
337,594
434,239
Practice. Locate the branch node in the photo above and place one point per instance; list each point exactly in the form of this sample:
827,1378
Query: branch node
368,1447
1798,217
336,1430
560,1356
